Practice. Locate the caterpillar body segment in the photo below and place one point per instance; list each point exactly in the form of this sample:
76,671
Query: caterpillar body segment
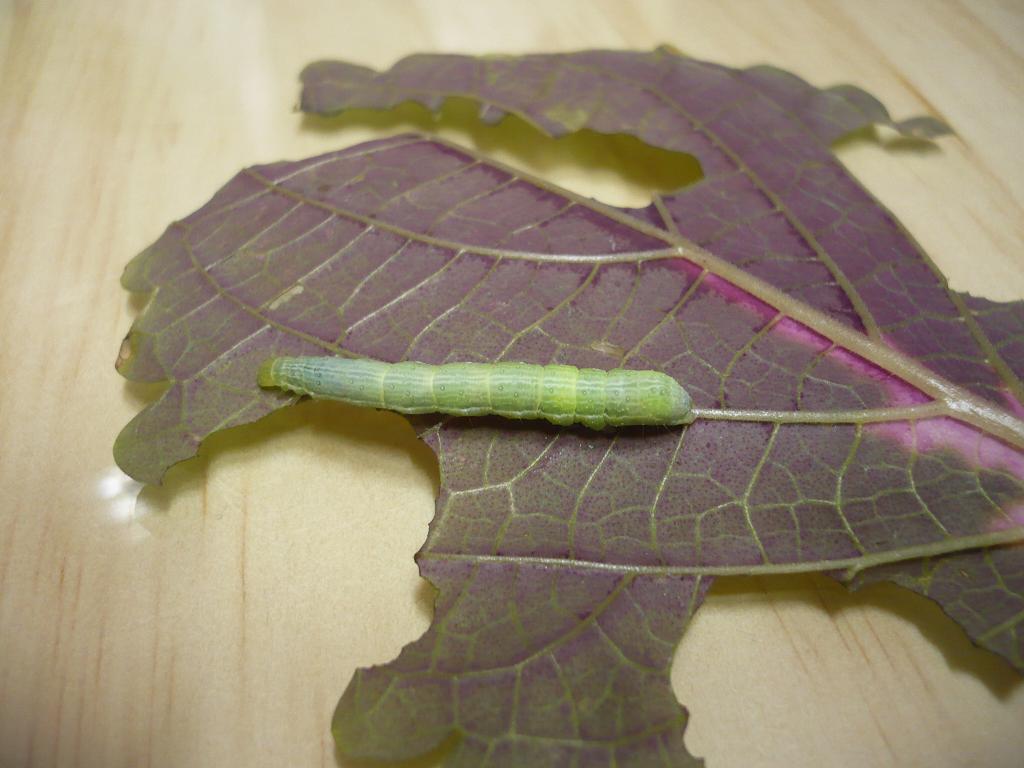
561,394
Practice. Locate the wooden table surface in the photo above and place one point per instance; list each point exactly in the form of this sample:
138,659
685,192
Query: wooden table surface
215,620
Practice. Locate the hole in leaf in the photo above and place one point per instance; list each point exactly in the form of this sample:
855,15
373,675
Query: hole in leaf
764,654
254,448
914,179
616,169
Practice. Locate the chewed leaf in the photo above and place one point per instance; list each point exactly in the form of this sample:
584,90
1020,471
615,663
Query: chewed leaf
586,654
774,200
983,591
852,414
392,267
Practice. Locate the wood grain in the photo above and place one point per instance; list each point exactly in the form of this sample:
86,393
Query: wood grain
215,620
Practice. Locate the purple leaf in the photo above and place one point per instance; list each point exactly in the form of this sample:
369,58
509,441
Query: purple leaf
532,665
848,419
774,200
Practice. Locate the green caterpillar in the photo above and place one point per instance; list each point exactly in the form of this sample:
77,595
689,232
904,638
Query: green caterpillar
562,394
